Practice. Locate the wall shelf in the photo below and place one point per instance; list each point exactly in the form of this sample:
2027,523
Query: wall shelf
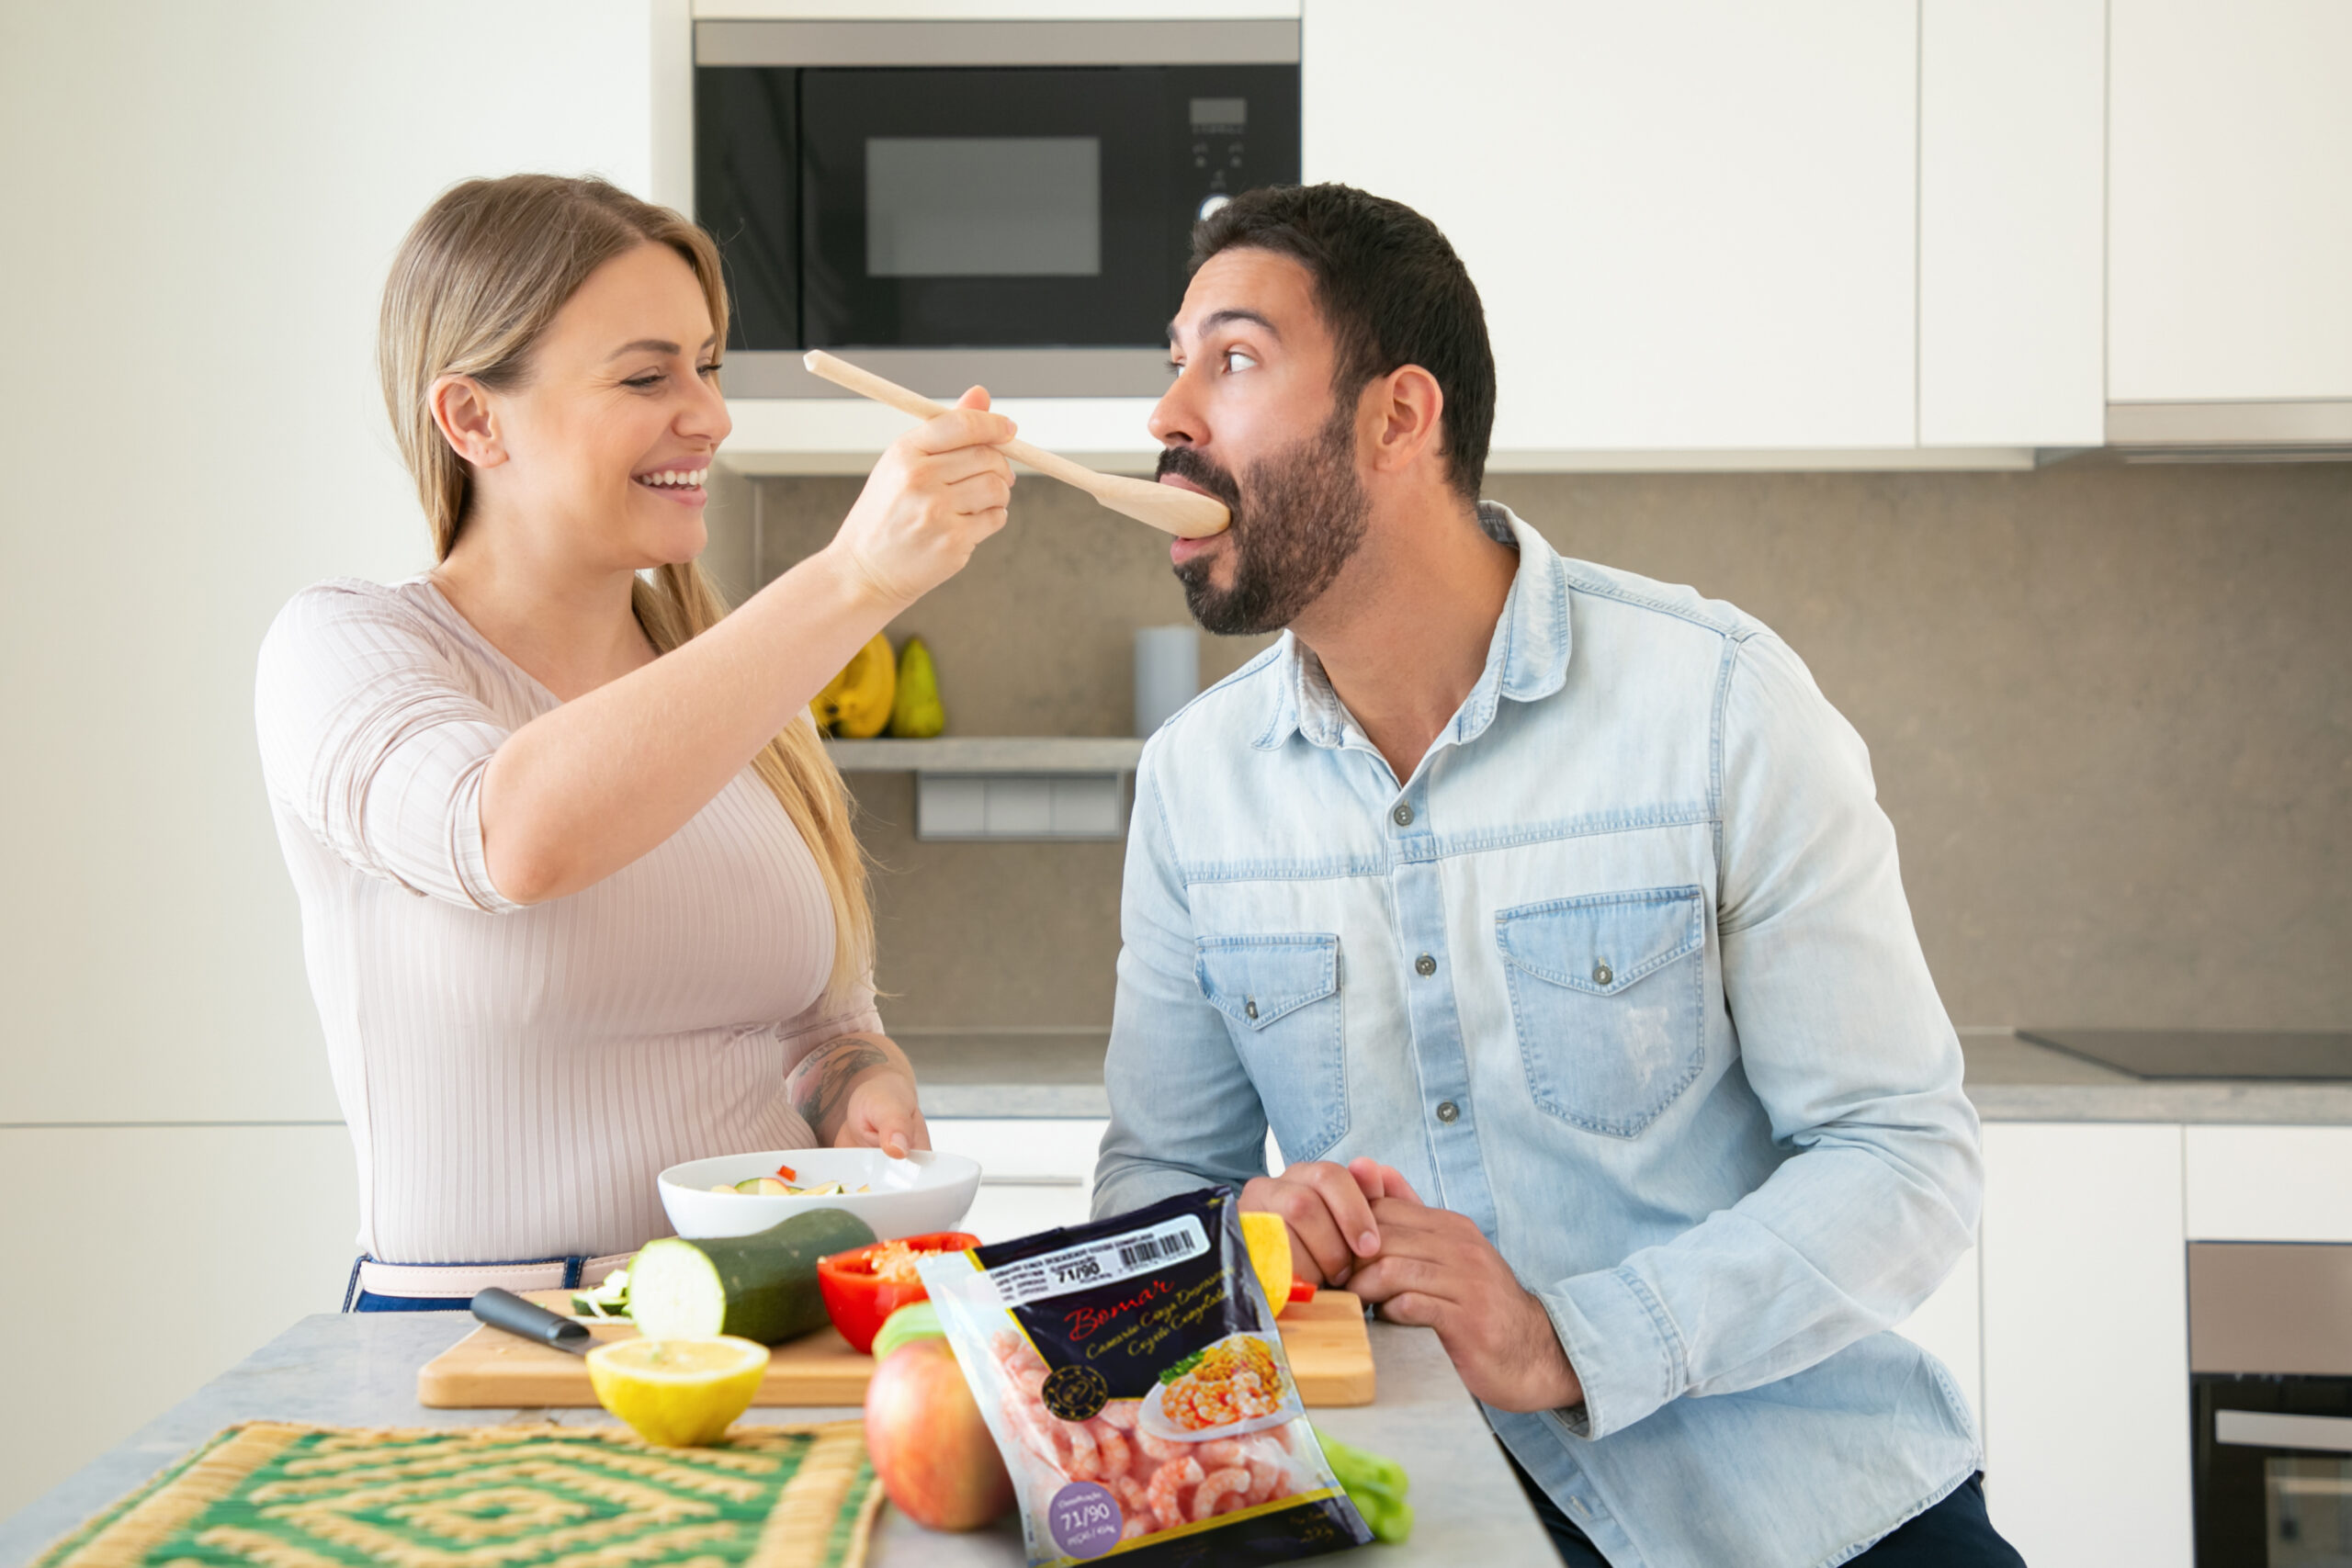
982,787
1039,754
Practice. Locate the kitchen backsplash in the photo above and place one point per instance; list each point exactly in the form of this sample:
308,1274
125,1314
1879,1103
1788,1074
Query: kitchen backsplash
2109,710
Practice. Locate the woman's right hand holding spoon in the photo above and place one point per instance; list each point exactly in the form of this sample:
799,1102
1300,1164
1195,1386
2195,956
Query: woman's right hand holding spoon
937,492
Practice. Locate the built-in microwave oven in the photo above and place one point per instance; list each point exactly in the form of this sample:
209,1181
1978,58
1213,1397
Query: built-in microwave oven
1008,202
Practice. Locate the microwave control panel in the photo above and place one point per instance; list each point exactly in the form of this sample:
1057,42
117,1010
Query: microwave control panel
1238,127
1221,146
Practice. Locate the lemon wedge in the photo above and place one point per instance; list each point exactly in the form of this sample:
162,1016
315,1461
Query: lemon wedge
678,1393
1269,1242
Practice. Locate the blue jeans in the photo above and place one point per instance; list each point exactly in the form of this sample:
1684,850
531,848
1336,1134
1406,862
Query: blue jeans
356,1300
367,1300
1955,1533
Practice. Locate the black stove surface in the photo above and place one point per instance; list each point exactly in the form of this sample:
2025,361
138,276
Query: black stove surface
2206,1052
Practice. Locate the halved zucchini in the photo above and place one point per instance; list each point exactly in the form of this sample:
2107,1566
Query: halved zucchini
762,1286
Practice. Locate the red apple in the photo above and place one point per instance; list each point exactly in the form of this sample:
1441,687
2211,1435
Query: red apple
931,1448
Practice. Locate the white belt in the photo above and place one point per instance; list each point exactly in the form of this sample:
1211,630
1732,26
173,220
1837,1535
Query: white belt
460,1280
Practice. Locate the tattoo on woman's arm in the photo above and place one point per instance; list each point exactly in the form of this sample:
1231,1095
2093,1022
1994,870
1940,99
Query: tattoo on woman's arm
826,1078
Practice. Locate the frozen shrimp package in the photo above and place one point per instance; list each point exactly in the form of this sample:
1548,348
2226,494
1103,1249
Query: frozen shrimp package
1131,1374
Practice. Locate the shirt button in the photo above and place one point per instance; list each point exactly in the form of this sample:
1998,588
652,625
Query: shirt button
1602,974
1250,1006
1448,1112
1403,815
1577,1504
1424,964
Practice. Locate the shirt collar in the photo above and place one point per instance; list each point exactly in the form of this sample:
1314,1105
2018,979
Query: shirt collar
1527,659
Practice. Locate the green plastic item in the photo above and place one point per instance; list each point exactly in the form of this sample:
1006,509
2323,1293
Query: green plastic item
1375,1485
916,1320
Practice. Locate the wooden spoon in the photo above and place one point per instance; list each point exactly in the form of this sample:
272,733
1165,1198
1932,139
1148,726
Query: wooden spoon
1186,513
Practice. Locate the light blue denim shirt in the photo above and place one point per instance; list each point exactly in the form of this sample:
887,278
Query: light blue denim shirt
1624,973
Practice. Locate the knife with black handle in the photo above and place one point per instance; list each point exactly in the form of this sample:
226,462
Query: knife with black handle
505,1309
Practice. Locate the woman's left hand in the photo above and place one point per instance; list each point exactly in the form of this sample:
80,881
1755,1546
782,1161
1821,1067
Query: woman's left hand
882,1114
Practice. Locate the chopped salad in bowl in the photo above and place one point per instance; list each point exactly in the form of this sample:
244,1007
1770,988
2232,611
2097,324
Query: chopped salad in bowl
780,1185
740,1194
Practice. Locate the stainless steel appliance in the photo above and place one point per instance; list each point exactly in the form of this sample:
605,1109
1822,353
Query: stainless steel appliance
1008,202
2270,1396
2206,1052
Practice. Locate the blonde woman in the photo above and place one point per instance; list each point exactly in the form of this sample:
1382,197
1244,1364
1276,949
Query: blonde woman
580,896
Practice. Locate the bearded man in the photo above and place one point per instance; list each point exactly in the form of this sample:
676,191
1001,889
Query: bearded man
1547,916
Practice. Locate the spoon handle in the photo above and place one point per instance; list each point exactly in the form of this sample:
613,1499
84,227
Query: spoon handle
866,384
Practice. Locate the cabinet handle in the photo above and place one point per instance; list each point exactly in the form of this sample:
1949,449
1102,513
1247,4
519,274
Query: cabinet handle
2262,1429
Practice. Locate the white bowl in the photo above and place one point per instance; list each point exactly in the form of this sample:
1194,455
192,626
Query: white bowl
914,1196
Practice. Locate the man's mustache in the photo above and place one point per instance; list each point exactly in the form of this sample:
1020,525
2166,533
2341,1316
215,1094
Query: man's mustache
1187,464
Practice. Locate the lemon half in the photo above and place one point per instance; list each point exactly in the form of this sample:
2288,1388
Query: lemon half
679,1394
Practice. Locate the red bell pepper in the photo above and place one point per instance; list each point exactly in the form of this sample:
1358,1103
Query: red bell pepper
858,1300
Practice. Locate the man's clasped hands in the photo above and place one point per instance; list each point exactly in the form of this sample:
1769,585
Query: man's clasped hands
1362,1227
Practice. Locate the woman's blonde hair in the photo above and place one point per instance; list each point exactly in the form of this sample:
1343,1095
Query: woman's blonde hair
473,289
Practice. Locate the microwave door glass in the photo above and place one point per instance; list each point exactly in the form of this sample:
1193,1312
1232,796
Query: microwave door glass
747,193
953,207
983,207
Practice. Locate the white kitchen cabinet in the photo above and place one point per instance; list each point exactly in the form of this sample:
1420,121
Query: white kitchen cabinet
2087,1342
990,10
1035,1172
144,1260
2269,1183
1692,223
2230,210
2012,253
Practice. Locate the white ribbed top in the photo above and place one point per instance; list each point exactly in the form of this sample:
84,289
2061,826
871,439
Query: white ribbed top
513,1079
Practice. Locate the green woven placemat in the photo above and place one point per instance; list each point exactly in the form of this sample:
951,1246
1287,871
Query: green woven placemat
270,1495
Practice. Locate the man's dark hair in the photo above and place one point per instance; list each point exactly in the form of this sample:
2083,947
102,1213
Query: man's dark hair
1391,291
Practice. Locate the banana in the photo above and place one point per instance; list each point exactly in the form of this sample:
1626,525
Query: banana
856,702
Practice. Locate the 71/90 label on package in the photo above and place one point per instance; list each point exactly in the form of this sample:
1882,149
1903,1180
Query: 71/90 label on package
1104,1262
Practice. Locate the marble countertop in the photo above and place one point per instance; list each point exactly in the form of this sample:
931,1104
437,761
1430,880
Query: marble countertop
360,1370
2015,1080
1059,1073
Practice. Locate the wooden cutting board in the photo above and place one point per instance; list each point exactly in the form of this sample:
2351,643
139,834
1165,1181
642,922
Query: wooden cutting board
1330,1353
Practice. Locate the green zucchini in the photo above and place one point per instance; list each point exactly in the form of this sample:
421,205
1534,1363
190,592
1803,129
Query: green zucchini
762,1286
607,1300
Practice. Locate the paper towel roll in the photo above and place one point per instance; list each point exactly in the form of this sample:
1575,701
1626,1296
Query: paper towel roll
1168,674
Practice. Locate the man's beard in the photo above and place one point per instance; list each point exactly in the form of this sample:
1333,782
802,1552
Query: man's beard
1302,518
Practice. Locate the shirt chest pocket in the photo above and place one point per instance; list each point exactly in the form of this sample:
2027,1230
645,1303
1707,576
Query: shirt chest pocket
1279,996
1606,994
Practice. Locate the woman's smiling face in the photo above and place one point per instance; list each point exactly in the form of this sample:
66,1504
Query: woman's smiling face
610,436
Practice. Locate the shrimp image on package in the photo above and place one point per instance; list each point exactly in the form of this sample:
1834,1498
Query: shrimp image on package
1130,1371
